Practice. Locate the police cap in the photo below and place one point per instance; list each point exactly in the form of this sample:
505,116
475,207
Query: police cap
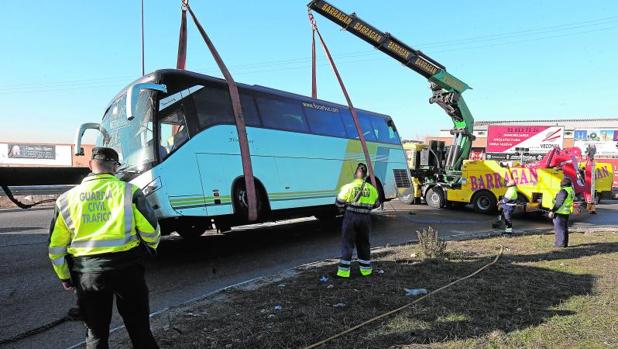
104,154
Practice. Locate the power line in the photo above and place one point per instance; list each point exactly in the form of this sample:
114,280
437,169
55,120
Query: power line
484,41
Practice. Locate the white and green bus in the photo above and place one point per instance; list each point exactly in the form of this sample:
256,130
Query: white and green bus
180,146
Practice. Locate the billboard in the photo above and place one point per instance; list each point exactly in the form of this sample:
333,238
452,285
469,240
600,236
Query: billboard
25,154
502,141
477,154
606,141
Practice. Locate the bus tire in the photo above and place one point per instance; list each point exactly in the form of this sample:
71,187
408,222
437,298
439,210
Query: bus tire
239,200
435,197
485,202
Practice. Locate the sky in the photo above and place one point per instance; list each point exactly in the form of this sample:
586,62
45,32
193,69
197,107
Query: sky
61,62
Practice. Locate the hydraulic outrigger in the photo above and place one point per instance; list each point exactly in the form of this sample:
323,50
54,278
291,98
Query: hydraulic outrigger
445,88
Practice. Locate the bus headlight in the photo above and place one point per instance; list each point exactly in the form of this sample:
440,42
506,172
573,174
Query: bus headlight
152,186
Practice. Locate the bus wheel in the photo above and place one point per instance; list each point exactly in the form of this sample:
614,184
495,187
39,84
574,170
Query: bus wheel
484,202
241,205
191,231
435,197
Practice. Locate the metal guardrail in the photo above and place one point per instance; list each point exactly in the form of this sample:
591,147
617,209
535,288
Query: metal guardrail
38,189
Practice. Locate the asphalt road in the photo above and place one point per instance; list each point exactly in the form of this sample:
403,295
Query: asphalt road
31,296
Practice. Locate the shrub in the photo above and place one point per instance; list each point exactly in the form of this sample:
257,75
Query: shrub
430,245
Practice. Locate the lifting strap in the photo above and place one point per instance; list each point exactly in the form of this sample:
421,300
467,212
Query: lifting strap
314,79
181,60
314,91
236,106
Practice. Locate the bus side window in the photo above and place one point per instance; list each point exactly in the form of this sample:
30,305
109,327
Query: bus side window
213,106
383,131
364,122
325,122
282,114
249,110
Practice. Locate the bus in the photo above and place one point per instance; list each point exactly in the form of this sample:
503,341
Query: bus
175,133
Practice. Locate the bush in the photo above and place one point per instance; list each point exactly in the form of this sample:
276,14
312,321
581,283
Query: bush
430,245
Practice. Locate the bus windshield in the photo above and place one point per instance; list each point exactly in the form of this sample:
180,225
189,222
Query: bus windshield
132,139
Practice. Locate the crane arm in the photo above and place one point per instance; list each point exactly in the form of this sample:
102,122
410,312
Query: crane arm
446,88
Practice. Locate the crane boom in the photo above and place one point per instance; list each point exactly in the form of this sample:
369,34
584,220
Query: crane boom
446,88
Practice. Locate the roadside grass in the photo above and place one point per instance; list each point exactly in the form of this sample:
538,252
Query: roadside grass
534,297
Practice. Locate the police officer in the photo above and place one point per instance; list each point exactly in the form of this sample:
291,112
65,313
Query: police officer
508,204
357,198
99,225
563,207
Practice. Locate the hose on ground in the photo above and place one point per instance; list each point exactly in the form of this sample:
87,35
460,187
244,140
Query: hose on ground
379,317
20,204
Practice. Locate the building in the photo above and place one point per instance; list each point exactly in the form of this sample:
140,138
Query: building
570,125
493,140
16,154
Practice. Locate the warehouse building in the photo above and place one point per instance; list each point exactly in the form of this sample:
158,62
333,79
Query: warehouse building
20,154
530,139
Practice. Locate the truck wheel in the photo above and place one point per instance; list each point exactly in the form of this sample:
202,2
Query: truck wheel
435,197
484,202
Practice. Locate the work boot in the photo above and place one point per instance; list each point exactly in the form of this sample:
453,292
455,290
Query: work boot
74,314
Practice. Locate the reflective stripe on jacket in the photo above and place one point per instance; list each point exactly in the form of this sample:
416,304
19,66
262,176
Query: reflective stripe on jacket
567,205
350,199
99,217
510,197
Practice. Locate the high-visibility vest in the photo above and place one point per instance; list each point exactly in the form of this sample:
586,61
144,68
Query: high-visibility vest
358,196
511,193
96,217
567,205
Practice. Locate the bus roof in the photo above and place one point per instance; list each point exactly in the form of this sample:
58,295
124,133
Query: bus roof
158,76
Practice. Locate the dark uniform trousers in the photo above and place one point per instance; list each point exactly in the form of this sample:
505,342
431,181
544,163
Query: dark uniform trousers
561,227
96,292
355,232
507,214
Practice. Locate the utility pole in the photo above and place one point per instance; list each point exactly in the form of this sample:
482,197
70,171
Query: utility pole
143,72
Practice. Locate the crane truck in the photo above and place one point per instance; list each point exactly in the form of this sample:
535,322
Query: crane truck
443,175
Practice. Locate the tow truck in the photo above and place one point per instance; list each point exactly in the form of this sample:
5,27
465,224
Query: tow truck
443,175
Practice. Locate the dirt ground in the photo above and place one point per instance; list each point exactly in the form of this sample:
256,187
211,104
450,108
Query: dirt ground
534,297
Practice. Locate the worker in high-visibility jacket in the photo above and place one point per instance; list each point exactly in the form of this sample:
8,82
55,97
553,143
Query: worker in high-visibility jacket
357,198
563,207
508,204
105,227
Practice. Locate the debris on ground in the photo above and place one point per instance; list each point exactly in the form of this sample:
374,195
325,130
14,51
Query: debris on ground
413,292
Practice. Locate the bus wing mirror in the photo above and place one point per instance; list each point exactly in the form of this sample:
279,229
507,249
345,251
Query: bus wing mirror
133,94
79,151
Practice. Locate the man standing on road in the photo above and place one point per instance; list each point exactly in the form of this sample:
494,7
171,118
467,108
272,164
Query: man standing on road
100,225
357,198
508,204
563,207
